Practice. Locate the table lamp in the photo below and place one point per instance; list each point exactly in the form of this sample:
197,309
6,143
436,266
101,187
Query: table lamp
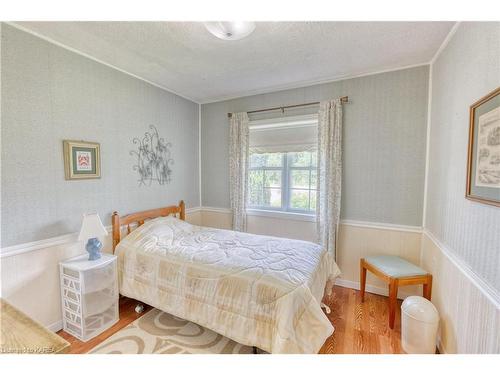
91,229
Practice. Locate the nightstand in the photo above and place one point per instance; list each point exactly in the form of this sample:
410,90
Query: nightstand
89,295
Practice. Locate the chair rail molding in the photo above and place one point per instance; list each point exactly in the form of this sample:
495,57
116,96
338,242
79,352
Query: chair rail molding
56,241
484,287
301,217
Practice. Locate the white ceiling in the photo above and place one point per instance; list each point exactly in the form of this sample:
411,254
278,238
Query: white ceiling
186,59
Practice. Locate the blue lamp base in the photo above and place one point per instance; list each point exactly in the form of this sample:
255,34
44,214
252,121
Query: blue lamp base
94,248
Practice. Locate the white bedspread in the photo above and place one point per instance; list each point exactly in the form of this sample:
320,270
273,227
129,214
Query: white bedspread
257,290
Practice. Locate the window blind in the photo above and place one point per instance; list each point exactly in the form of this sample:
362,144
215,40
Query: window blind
285,134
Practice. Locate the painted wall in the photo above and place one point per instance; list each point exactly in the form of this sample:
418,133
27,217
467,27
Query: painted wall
50,94
466,70
384,143
461,240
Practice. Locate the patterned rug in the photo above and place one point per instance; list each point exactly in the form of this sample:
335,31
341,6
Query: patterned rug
157,332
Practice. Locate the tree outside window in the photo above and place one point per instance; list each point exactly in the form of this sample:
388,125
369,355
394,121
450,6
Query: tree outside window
283,181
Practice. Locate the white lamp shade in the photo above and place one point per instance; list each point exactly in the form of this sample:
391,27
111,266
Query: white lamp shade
91,227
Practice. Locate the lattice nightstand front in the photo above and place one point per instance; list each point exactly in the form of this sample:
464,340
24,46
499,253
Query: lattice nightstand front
89,295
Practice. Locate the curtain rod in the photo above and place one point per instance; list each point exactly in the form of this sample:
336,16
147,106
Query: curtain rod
344,99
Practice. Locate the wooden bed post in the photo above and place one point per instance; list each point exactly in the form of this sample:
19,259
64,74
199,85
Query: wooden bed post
183,210
115,220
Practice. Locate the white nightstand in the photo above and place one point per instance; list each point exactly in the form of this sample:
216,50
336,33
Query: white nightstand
89,295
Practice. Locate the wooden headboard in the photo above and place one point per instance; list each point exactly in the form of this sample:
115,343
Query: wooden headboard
139,218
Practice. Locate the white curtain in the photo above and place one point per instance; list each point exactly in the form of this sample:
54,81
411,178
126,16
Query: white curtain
238,167
329,173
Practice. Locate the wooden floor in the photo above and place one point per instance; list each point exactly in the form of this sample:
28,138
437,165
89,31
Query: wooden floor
359,328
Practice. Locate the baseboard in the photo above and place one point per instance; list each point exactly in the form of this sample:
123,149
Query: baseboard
369,288
55,327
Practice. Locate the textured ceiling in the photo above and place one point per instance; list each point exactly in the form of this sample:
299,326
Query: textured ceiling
185,58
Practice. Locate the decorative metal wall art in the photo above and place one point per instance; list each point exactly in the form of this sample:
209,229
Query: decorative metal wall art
153,158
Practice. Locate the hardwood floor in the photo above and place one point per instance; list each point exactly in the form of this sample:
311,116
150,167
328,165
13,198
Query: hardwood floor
359,328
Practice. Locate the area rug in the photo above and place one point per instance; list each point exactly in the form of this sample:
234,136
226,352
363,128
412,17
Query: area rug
157,332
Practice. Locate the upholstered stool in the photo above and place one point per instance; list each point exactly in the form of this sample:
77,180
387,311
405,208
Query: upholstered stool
395,271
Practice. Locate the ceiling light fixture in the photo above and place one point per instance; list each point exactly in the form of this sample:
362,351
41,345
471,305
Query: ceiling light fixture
230,30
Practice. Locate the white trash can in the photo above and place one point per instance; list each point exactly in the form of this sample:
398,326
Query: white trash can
419,325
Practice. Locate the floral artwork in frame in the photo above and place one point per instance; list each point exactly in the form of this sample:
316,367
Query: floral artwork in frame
82,160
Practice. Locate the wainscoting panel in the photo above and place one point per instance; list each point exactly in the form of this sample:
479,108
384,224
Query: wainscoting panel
356,240
470,314
30,281
30,275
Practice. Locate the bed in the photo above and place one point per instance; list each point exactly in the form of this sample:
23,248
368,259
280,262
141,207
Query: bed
260,291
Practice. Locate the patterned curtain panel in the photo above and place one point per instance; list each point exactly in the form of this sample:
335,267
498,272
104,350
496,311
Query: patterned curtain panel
238,168
329,173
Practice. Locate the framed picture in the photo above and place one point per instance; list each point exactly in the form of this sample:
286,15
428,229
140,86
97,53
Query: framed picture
81,160
483,165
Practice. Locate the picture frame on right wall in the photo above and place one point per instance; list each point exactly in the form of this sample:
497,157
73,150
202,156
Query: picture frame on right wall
483,162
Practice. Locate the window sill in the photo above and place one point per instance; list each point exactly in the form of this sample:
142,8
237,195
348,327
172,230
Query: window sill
281,215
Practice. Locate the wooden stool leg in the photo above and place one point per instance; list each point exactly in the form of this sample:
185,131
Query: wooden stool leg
393,301
362,279
427,288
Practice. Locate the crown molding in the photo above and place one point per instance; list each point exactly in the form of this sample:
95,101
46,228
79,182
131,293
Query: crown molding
277,88
445,42
309,83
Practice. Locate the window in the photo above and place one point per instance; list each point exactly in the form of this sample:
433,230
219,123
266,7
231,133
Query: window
302,181
283,181
282,167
